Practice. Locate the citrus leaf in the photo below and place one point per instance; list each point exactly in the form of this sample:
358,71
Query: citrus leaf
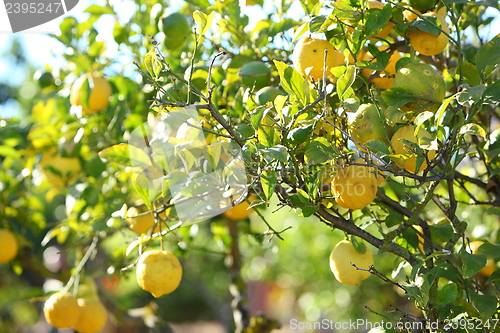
293,82
203,20
491,94
426,26
488,56
268,180
126,155
473,129
99,10
266,133
376,19
446,295
485,304
489,250
345,82
319,151
439,116
471,263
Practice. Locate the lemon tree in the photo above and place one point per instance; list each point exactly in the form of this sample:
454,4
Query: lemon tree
158,272
62,310
10,246
349,265
362,120
91,92
405,142
92,316
314,57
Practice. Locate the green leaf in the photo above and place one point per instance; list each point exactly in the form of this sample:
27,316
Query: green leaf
470,72
126,155
439,116
203,20
470,95
282,26
300,134
491,94
378,146
268,180
494,276
319,151
316,23
426,26
99,10
473,129
152,64
345,82
397,97
488,56
277,152
471,263
376,19
293,82
446,295
485,304
266,133
489,250
394,218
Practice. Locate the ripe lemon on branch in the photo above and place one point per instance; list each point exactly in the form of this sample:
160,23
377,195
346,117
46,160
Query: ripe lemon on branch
354,187
421,80
92,92
158,272
61,310
341,259
429,44
309,58
10,246
60,171
401,143
92,317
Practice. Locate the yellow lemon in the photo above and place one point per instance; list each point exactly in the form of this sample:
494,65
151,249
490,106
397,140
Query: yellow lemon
158,272
490,267
410,15
386,79
388,26
239,212
342,256
310,53
142,223
61,310
428,44
401,147
60,171
98,95
354,187
10,246
92,317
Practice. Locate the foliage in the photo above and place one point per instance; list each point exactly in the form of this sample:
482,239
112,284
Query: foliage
419,225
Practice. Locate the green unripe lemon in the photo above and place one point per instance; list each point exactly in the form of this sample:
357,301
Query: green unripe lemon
267,94
422,5
423,80
255,73
174,26
368,124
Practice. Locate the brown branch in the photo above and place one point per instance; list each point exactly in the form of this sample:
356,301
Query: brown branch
351,228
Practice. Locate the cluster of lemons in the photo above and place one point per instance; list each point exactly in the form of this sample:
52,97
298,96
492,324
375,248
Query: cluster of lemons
64,310
91,92
355,186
